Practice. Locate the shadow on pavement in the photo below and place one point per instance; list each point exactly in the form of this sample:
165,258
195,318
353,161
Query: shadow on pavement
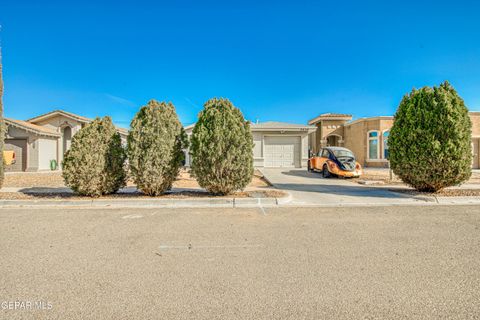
342,190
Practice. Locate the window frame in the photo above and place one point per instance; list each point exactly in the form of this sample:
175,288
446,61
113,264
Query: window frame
378,145
383,143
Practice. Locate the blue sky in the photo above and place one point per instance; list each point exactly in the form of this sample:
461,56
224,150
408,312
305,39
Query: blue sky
281,61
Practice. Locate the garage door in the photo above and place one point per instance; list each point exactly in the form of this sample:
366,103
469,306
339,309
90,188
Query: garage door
282,152
20,148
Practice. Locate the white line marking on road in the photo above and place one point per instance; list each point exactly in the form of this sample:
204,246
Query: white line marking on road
190,246
132,216
263,210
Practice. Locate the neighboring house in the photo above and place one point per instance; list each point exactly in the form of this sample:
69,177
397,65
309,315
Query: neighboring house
368,137
40,140
276,144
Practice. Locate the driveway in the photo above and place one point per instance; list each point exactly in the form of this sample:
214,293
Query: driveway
309,188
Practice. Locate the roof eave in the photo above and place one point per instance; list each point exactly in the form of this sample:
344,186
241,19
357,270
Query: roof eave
56,112
303,129
31,130
320,118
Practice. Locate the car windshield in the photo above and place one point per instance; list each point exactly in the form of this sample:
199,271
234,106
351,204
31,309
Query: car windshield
343,153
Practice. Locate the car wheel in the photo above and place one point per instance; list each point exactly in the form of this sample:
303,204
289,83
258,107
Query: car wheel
325,172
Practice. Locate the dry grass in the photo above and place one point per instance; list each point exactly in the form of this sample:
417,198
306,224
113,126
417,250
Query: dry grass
55,180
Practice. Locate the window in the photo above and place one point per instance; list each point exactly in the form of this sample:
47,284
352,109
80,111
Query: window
325,153
385,144
373,150
343,153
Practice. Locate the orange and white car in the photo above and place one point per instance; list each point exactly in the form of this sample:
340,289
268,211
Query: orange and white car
335,161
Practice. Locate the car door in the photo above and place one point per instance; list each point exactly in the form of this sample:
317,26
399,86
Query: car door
316,159
324,158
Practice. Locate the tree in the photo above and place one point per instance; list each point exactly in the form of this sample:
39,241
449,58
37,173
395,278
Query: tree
222,148
2,124
155,144
430,141
95,163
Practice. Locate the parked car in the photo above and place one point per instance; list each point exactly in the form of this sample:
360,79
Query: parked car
9,157
335,161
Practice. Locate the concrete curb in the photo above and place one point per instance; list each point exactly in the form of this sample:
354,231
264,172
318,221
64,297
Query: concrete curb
150,203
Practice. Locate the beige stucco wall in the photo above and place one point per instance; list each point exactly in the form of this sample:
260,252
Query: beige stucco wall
326,128
475,117
48,152
356,139
58,123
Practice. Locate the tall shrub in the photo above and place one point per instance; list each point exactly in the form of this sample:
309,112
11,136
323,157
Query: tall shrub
430,141
94,164
155,144
2,124
222,148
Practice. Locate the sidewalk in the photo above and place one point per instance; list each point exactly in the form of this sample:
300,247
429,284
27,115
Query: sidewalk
310,189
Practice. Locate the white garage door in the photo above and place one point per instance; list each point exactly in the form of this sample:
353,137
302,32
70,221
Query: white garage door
282,152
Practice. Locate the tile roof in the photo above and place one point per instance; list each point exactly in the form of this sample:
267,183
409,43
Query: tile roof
342,116
335,115
32,127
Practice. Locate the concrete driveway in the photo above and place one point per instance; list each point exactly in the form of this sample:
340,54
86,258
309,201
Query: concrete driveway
309,188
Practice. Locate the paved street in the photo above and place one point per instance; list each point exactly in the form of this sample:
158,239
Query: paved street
309,188
274,263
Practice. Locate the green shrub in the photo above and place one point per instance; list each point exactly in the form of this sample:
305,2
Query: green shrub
222,148
430,141
155,144
94,164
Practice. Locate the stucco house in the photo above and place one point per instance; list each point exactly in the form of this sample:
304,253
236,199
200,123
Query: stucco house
276,144
40,140
368,137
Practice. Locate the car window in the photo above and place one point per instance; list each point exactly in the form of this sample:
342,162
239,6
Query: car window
325,153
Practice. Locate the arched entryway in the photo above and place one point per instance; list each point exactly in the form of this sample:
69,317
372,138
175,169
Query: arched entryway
334,141
67,138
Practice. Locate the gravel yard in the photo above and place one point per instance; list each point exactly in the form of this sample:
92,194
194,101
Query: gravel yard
55,180
138,195
382,175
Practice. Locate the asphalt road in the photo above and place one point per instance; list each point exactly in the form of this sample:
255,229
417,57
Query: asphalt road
282,263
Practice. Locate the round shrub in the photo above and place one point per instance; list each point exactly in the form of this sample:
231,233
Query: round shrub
430,141
222,148
155,144
94,164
